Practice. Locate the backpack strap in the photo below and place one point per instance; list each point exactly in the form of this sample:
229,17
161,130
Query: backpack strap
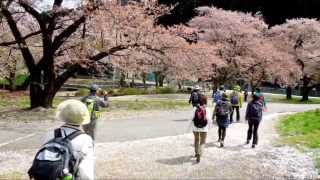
74,134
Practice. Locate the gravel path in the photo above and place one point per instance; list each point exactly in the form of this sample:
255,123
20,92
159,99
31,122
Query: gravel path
153,147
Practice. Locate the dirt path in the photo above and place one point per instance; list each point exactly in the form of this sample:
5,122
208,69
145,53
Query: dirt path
149,147
171,157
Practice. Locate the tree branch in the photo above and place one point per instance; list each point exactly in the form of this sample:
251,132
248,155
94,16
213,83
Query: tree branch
21,42
33,13
64,35
24,38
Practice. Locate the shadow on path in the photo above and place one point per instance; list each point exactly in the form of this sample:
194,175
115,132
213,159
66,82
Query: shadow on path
178,160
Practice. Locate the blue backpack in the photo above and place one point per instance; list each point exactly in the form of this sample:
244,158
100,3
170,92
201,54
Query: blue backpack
217,96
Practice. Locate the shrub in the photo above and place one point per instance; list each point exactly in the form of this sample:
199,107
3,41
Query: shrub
165,90
132,91
82,92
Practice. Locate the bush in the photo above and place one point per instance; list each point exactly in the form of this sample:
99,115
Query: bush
19,80
165,90
82,92
132,91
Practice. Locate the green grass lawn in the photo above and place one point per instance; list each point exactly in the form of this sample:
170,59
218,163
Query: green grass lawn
294,100
142,105
303,131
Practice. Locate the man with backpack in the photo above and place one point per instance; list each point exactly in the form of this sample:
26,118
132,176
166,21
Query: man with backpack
236,102
68,154
222,111
195,96
94,103
254,116
217,96
201,122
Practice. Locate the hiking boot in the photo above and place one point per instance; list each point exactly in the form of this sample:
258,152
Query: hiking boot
253,146
198,158
219,140
221,144
248,142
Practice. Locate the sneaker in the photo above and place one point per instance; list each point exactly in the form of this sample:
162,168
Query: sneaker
221,144
198,158
253,146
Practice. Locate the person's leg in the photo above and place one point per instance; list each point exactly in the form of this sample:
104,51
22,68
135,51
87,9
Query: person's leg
249,134
255,132
203,137
238,113
220,133
223,135
231,114
196,142
224,132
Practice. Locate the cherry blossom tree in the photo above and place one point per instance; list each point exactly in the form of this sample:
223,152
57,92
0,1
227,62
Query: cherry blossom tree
301,39
239,39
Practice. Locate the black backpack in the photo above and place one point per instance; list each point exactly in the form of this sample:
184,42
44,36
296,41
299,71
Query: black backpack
200,118
195,97
222,108
234,99
255,110
55,158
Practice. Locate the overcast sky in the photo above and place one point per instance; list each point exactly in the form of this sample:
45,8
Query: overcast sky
47,4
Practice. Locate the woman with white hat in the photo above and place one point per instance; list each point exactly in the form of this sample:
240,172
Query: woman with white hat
74,113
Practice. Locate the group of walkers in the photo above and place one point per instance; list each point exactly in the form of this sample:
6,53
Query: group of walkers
223,111
68,152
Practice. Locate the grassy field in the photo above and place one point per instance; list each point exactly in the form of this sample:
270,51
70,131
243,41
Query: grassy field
294,100
142,105
303,131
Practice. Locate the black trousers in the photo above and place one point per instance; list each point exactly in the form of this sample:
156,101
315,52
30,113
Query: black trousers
222,133
253,130
237,111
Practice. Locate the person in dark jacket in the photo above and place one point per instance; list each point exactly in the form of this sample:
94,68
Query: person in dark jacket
222,111
195,96
254,117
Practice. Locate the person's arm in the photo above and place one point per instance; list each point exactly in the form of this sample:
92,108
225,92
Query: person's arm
247,112
190,99
214,113
102,102
86,165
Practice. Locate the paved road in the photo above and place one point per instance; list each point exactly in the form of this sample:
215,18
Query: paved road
124,126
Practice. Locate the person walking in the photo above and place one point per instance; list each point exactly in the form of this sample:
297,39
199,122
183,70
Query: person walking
245,94
254,117
195,96
201,122
217,96
236,102
221,112
68,152
94,103
261,97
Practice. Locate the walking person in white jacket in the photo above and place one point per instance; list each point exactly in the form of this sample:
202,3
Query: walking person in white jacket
74,113
201,122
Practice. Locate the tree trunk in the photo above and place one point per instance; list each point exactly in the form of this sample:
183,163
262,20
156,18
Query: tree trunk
144,80
289,92
156,78
43,86
122,80
161,80
305,93
12,81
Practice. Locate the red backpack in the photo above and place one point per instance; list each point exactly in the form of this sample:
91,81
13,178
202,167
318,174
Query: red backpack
200,119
